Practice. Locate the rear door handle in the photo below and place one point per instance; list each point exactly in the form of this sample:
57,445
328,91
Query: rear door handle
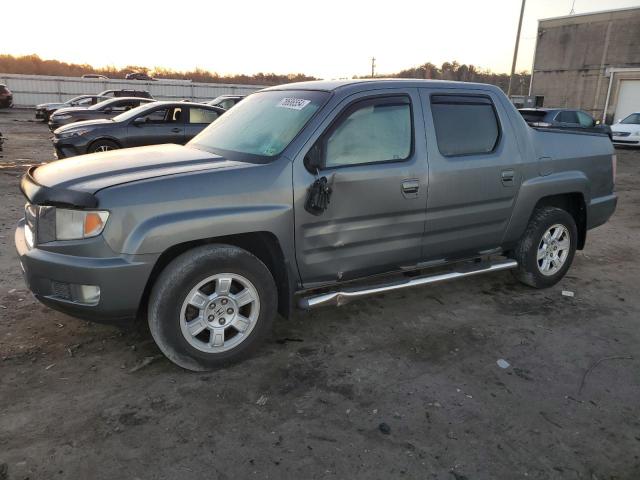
507,177
410,187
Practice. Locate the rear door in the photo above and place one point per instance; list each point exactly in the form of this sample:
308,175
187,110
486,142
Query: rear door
474,172
161,125
371,150
199,119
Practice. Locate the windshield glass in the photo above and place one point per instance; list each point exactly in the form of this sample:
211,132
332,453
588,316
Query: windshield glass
633,119
263,124
217,99
132,113
75,99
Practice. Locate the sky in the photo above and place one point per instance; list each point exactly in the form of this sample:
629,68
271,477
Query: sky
328,39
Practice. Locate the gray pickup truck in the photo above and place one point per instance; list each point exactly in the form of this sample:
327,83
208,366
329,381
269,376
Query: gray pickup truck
306,195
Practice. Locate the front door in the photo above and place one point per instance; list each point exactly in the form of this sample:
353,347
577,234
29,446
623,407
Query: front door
162,125
371,150
474,172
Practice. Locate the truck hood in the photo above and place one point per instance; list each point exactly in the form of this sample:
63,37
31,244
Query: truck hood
96,171
49,106
625,127
62,111
85,123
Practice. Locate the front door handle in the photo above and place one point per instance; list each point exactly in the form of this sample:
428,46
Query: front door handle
507,177
410,187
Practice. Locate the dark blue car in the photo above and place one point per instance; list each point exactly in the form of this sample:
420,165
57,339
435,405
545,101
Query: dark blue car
564,118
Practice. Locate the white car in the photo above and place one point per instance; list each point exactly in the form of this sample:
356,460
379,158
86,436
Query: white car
627,131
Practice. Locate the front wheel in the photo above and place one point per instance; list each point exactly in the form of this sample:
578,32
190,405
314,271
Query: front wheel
212,305
546,250
103,146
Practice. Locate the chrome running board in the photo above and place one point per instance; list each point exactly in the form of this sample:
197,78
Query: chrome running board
341,297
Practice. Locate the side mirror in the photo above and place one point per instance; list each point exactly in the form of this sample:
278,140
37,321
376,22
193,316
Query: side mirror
313,159
138,121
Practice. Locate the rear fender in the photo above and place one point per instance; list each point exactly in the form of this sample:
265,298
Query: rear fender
534,189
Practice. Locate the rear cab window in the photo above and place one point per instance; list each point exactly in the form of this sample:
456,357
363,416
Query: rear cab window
465,124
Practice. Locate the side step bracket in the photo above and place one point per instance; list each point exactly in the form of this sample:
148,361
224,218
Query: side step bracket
343,296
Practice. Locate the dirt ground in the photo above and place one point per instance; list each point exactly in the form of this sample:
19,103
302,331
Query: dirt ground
404,385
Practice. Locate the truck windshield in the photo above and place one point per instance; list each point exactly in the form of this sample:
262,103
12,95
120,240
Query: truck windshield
633,119
262,125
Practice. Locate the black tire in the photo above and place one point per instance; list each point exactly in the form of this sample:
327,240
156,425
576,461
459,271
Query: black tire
526,253
176,282
101,145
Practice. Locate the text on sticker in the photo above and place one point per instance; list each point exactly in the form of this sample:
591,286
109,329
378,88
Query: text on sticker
293,103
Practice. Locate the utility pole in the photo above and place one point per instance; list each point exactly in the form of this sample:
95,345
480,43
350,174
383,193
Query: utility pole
515,51
373,67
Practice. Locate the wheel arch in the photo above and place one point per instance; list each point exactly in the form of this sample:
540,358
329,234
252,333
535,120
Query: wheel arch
574,204
110,139
567,190
264,245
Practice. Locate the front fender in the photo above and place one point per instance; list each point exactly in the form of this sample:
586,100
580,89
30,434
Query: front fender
158,233
537,188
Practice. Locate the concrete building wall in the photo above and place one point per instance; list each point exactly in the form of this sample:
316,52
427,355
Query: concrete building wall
575,55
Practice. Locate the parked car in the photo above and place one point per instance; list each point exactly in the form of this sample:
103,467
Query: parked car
139,76
6,97
226,101
44,110
310,194
106,109
149,124
627,131
95,76
564,118
125,92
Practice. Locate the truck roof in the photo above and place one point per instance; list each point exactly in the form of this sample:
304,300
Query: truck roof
332,85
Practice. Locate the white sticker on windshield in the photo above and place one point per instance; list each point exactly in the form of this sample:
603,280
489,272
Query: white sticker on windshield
293,103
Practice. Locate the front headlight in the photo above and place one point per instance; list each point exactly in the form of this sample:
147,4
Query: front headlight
62,117
52,223
636,134
78,224
73,133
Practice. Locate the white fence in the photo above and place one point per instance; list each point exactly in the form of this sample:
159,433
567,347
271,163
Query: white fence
30,90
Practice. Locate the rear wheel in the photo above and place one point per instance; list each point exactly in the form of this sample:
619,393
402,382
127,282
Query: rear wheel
546,249
103,146
212,305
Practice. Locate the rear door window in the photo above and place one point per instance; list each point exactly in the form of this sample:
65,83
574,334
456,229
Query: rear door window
465,124
585,120
202,115
567,116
